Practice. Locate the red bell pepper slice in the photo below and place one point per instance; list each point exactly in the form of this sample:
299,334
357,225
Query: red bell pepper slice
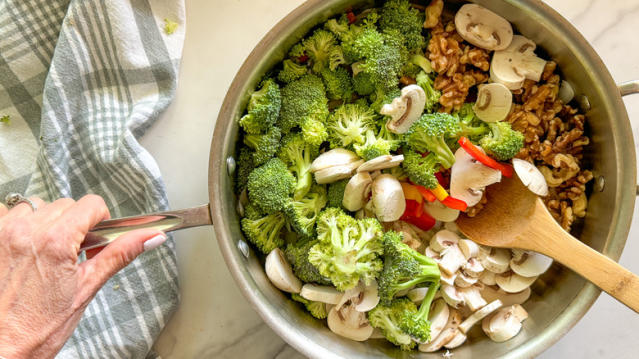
454,203
413,209
423,222
351,17
426,193
477,154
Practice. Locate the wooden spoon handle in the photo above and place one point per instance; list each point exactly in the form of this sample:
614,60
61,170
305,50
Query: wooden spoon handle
598,269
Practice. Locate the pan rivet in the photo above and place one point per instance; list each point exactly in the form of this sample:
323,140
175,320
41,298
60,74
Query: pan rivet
584,103
230,165
600,183
243,247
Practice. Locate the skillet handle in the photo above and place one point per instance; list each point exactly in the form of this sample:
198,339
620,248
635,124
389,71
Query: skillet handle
107,231
629,88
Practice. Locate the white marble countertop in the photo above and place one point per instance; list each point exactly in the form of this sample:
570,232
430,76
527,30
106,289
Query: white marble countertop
214,320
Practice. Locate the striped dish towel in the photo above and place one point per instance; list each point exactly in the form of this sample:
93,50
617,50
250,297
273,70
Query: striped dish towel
80,81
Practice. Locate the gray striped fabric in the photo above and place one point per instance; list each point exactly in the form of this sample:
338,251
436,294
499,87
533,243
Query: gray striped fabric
81,80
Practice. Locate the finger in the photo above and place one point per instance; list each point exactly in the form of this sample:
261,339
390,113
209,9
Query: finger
54,210
3,210
117,255
24,209
85,214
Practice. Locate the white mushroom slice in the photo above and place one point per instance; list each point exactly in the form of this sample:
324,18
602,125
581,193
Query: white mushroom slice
504,323
375,174
440,212
566,92
280,273
368,298
483,28
516,63
464,281
349,295
357,191
452,226
497,260
336,173
457,340
321,293
433,254
493,103
488,278
405,109
446,334
381,163
416,295
473,268
479,315
468,177
451,295
335,157
377,334
349,323
447,278
472,297
469,248
491,293
512,282
531,177
529,264
438,317
388,198
452,259
443,239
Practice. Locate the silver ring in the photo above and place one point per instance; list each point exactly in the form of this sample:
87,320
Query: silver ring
14,199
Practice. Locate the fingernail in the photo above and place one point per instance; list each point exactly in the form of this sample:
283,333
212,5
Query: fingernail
154,242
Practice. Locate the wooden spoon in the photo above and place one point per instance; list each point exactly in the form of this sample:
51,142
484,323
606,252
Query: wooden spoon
514,217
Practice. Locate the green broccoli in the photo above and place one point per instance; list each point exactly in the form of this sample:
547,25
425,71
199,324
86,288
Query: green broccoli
291,71
429,134
323,51
503,142
348,124
301,98
388,319
297,254
263,109
363,84
339,27
317,309
314,130
245,166
251,211
383,96
399,15
265,145
348,250
302,213
373,147
386,134
421,170
471,126
336,193
264,232
338,83
298,155
432,95
270,186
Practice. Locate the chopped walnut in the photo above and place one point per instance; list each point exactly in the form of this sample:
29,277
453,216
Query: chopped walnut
433,13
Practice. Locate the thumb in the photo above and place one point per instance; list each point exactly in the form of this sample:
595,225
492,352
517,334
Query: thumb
117,255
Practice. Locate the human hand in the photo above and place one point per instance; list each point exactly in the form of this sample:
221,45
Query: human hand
43,288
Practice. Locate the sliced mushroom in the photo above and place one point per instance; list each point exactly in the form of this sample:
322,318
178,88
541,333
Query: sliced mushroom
566,92
456,341
496,261
349,323
388,198
357,191
375,174
447,278
528,263
504,323
405,109
433,254
468,178
452,259
479,315
381,163
368,298
464,281
531,177
438,317
416,295
377,334
451,295
335,157
483,28
473,268
469,248
493,103
443,239
516,63
446,334
321,293
280,273
488,278
440,212
472,297
336,173
491,293
349,295
512,282
452,226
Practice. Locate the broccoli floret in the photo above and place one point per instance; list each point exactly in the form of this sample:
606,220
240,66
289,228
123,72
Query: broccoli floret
348,250
265,145
263,108
297,254
338,83
381,97
291,71
399,15
421,170
373,147
388,319
339,27
264,232
422,62
363,84
314,131
323,51
251,211
429,134
432,95
317,309
301,214
270,185
503,142
245,166
471,126
301,98
298,155
336,193
348,124
386,134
